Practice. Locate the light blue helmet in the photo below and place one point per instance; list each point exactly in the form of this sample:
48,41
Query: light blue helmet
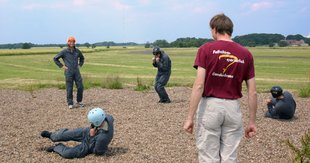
96,116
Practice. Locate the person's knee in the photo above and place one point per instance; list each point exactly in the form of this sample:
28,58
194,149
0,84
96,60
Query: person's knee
68,154
69,79
158,86
80,86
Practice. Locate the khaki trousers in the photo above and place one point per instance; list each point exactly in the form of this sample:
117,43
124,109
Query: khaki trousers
219,130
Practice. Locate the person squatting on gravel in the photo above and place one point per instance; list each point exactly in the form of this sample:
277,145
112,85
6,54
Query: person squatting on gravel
73,59
163,63
222,66
94,139
282,104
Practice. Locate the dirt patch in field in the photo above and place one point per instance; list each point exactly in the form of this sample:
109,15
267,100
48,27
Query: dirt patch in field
145,131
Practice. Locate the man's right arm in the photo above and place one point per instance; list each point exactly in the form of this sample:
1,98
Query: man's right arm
154,62
250,131
56,59
197,92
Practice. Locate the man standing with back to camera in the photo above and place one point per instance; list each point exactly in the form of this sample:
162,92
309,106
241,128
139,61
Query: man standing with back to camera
222,66
282,104
73,60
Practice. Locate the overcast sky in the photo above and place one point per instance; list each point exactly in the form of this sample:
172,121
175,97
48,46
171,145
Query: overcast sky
52,21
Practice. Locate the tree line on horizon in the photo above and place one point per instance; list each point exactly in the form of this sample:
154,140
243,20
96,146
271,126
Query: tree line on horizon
250,40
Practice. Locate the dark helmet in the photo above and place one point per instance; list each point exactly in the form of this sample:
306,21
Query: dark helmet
156,50
276,91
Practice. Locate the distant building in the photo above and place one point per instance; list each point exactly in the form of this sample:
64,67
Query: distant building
296,42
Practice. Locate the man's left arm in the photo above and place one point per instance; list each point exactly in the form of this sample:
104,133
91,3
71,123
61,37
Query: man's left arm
103,139
81,58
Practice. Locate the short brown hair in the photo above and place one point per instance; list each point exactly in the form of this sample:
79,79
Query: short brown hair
222,24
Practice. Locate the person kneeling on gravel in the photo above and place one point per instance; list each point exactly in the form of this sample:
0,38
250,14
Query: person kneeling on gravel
282,104
94,139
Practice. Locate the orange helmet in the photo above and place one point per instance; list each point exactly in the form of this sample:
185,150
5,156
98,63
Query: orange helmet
71,38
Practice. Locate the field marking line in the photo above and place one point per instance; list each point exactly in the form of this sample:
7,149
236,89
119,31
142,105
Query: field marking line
116,65
299,80
28,81
27,67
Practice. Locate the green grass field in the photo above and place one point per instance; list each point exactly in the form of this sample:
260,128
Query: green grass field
34,68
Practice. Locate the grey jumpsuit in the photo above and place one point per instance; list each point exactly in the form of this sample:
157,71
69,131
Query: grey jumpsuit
97,144
72,59
163,75
283,108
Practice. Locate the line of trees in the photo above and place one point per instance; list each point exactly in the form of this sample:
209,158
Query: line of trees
180,42
28,45
256,39
251,40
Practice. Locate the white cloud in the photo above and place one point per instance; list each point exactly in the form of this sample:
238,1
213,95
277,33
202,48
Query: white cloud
57,5
196,7
38,6
144,2
308,35
60,5
120,6
304,9
3,1
199,9
79,2
33,6
260,5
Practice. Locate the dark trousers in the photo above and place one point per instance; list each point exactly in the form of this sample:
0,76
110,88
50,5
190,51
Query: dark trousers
79,135
77,78
161,80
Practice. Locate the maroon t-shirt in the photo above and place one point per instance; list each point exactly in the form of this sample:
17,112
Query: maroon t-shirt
227,64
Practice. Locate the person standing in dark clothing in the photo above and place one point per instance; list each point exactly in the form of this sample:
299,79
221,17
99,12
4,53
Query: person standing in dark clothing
282,104
94,139
73,59
163,63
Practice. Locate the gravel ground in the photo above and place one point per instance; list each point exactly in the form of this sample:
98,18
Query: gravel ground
145,131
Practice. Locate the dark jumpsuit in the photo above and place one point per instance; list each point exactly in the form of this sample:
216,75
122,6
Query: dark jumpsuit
97,144
283,108
163,75
72,59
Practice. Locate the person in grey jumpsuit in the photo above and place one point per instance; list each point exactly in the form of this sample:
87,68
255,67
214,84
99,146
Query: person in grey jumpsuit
163,63
282,104
73,60
94,139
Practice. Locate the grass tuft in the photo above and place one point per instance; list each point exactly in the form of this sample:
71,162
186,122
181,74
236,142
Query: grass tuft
140,86
112,82
302,154
304,92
